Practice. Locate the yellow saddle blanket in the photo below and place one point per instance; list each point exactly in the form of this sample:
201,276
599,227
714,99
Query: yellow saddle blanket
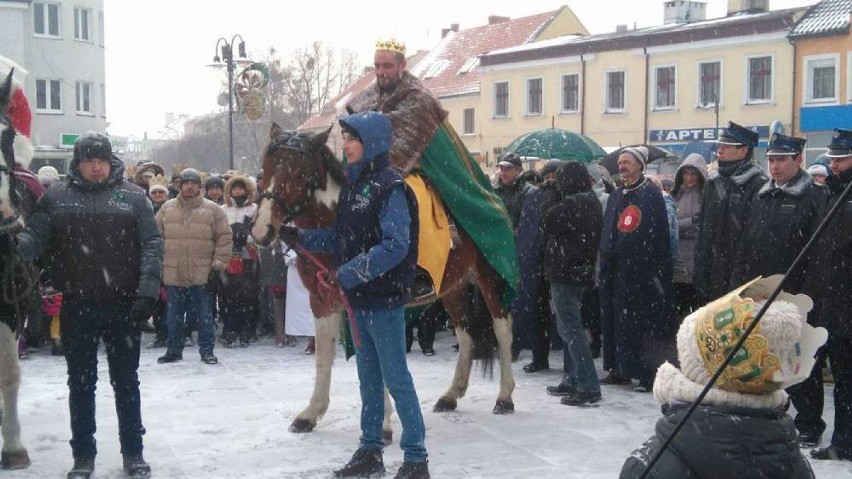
434,239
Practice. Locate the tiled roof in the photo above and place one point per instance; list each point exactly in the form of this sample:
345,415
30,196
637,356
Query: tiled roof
828,17
451,68
740,24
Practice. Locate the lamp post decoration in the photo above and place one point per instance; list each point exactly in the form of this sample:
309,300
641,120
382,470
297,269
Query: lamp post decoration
227,51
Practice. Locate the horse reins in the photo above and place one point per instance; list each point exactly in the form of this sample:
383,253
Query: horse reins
323,271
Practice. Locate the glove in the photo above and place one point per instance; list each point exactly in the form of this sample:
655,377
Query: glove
142,309
289,234
213,280
328,287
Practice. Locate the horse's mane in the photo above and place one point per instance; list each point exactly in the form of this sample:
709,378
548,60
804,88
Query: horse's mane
312,145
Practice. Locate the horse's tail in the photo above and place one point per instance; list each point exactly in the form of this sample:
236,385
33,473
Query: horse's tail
479,325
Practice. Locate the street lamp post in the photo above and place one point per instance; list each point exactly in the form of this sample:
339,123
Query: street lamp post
227,50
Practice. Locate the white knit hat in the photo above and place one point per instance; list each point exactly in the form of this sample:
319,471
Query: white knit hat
773,357
818,169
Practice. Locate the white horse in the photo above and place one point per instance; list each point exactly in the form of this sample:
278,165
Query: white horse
17,282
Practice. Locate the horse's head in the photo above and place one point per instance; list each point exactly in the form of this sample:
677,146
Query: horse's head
303,183
7,140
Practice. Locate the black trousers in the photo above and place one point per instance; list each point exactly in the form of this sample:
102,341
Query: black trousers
84,323
840,357
807,397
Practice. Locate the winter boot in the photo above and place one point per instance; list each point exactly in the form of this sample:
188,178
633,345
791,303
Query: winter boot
364,463
413,470
83,468
209,358
135,466
169,358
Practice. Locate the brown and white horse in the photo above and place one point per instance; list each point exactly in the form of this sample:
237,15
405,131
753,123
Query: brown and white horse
303,184
17,283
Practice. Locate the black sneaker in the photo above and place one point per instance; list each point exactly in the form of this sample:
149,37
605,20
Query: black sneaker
413,470
535,367
428,352
613,378
809,439
83,468
643,387
169,358
581,399
157,344
209,359
831,453
135,466
364,463
561,390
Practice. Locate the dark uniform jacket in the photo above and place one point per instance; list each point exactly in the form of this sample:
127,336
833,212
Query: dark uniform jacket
831,272
727,202
780,223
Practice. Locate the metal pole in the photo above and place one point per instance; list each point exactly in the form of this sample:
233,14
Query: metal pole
230,64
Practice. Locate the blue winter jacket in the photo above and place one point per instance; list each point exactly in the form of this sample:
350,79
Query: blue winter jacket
375,236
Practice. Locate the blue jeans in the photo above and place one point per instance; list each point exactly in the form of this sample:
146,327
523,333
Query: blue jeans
381,360
180,301
83,324
566,305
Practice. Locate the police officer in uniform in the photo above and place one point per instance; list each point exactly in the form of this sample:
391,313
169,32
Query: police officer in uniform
783,217
832,272
727,201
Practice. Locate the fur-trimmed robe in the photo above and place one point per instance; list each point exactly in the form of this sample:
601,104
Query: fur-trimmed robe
414,114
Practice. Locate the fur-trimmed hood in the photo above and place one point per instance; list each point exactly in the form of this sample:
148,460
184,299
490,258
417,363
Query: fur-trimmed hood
150,166
251,189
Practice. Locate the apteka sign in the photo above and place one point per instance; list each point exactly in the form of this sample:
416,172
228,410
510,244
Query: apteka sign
692,134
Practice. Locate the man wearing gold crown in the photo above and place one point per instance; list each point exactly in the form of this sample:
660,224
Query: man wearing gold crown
425,145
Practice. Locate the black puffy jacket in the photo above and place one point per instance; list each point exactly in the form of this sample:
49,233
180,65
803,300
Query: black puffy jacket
717,441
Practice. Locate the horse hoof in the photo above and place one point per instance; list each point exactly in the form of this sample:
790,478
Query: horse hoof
504,407
300,425
14,459
445,405
388,437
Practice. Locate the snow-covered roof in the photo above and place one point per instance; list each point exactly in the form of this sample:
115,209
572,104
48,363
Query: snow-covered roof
828,17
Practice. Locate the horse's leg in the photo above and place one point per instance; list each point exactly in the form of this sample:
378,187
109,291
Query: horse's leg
327,329
490,285
14,455
454,305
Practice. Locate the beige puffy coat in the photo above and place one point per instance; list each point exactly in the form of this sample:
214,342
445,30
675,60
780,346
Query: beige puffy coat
197,238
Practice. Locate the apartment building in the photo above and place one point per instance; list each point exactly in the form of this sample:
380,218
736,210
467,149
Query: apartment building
61,45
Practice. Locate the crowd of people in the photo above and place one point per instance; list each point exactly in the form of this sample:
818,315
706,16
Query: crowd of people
663,249
608,267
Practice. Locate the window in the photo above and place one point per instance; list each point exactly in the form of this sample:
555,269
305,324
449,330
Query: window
103,100
615,91
81,23
48,95
759,79
468,126
710,83
821,78
534,96
101,35
664,94
571,92
46,19
501,99
84,98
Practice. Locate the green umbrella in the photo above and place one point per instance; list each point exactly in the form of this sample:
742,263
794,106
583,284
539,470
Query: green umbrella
556,143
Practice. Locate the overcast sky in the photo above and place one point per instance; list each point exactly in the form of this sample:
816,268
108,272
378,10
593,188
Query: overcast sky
157,50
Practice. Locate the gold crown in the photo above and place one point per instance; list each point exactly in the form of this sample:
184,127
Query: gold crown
720,325
391,45
158,180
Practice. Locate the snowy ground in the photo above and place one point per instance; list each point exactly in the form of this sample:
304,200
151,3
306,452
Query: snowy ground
230,420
